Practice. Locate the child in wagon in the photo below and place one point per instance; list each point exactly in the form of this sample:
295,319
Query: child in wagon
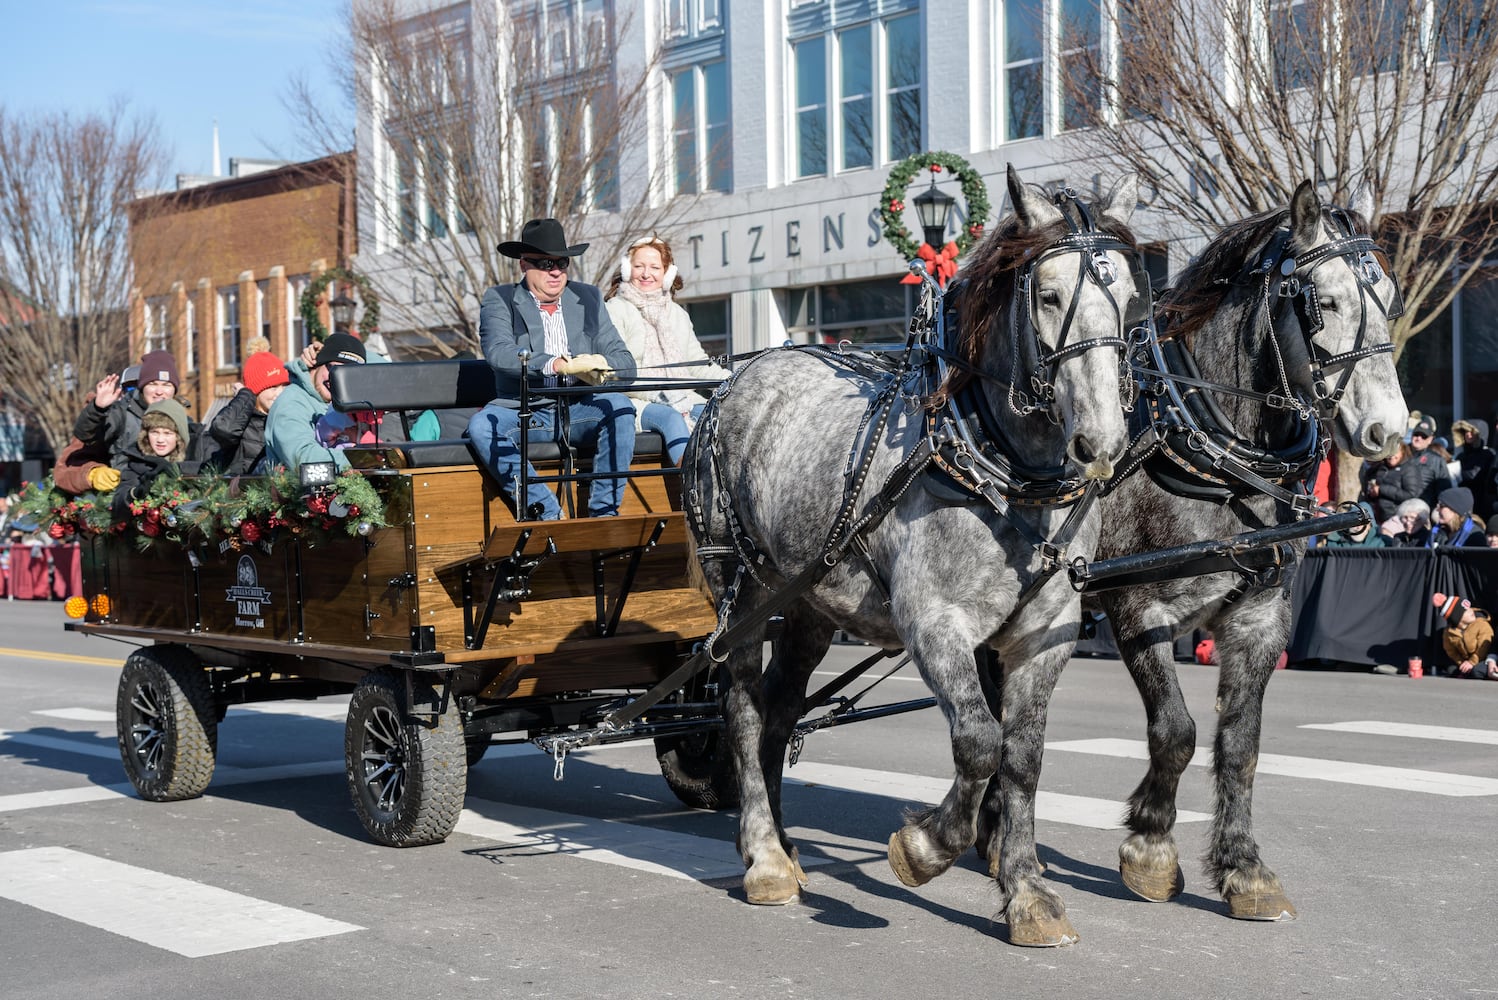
1468,638
167,440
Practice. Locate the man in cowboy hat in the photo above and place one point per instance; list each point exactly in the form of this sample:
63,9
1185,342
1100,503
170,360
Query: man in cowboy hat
566,332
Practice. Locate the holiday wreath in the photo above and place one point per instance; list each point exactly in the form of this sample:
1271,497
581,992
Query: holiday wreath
892,200
369,319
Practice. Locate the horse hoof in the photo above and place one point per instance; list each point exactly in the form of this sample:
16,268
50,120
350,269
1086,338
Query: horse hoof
1158,885
899,861
1273,905
797,870
771,890
1043,932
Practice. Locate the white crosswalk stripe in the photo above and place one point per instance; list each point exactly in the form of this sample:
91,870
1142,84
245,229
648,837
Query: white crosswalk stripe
1410,730
164,911
1344,771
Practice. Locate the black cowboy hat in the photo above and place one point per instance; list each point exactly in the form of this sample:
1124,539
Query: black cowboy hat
542,237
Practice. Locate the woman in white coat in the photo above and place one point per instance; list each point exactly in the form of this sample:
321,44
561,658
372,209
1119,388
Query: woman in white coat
658,332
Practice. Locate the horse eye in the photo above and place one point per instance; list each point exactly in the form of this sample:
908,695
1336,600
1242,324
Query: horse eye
1329,305
1050,297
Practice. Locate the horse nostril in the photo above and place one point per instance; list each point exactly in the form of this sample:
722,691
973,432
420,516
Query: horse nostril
1082,450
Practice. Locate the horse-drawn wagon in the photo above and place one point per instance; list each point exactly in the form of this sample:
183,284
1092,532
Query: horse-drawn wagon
449,623
453,622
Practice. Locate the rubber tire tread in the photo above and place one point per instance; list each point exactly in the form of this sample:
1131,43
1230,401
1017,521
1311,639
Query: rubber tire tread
475,748
436,763
701,779
190,723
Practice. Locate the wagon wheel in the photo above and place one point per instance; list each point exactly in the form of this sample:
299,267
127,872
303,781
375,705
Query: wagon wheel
698,768
167,723
407,774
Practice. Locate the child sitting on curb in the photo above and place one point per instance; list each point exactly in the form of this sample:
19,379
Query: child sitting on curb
1468,637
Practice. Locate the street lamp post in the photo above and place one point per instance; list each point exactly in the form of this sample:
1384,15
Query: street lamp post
934,208
342,309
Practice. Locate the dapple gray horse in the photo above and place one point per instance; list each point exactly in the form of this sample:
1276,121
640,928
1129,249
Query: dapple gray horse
1250,320
765,474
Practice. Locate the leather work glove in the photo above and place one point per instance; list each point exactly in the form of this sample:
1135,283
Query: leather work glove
103,478
591,368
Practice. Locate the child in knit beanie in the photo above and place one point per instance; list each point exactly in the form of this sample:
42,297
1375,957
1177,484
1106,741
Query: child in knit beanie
1468,637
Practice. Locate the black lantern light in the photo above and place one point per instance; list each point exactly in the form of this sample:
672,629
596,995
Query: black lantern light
934,208
342,309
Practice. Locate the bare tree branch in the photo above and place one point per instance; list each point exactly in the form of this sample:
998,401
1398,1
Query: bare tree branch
65,269
484,116
1225,105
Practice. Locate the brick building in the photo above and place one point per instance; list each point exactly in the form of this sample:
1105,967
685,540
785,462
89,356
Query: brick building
221,262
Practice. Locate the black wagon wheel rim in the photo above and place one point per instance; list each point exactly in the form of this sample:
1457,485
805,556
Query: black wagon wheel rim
147,727
383,759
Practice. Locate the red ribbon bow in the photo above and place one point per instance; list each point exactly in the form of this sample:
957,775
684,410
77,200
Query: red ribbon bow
942,264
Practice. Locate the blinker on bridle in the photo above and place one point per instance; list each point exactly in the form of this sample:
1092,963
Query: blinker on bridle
1296,286
1083,237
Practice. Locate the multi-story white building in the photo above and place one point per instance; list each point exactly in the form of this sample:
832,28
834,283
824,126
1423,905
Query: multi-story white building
775,124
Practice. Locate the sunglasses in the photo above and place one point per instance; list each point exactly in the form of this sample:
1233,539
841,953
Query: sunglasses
547,263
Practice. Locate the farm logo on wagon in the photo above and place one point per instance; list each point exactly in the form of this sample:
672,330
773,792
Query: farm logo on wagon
247,596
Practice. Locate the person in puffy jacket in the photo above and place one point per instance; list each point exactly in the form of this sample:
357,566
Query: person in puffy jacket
110,421
165,443
1389,483
238,429
1476,461
1428,462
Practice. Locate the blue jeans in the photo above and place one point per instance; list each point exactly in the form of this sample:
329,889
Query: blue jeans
607,418
671,426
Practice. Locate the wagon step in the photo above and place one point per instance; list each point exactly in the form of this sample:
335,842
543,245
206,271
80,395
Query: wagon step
1261,554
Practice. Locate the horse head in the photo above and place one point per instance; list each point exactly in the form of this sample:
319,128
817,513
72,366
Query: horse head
1334,326
1076,295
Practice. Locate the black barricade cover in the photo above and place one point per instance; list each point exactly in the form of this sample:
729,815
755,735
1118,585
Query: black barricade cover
1374,606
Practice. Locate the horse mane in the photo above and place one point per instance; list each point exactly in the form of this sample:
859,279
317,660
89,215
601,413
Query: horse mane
1196,296
988,288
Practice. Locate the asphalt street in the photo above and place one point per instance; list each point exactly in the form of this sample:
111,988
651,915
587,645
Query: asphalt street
1375,802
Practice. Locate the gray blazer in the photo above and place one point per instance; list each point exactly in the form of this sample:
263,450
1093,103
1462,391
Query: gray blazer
510,322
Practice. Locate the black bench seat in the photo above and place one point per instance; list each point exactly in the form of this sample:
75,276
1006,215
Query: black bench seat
409,387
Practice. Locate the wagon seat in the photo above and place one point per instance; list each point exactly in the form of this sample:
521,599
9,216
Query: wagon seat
453,390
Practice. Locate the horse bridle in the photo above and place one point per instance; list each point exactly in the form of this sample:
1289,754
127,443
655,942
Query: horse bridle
1083,237
1288,279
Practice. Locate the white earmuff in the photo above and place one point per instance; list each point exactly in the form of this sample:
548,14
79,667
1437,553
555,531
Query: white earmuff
626,269
670,278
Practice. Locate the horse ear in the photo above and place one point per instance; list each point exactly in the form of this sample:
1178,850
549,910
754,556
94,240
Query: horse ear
1305,216
1121,200
1030,203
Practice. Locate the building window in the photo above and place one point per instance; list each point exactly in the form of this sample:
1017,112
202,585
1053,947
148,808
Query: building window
192,334
262,307
295,286
874,69
863,312
811,107
228,327
903,86
158,331
405,188
701,145
1295,44
1024,65
710,324
690,18
1060,58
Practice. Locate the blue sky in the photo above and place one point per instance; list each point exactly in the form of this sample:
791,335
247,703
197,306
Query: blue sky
185,62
